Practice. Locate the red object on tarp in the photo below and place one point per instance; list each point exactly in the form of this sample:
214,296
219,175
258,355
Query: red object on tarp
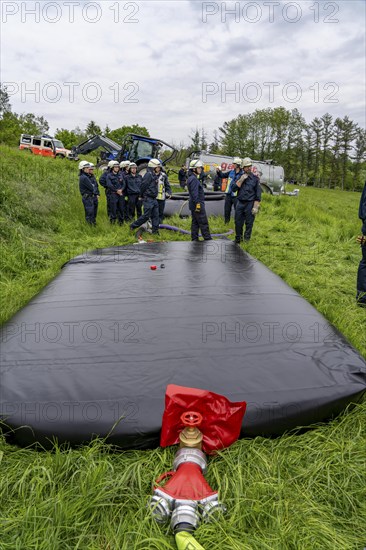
222,419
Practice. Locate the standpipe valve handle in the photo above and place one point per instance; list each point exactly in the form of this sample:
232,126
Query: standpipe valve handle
191,419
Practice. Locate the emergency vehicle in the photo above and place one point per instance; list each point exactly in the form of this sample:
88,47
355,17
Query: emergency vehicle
46,146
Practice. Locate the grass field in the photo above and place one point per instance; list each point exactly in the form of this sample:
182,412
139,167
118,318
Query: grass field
296,492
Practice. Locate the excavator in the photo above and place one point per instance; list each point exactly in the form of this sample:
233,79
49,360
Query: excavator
135,148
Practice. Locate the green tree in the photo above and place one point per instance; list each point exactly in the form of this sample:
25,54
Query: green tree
10,128
294,157
259,133
68,137
203,140
308,157
92,129
315,129
5,106
279,122
195,140
32,124
234,136
336,154
327,132
119,133
214,146
348,134
13,125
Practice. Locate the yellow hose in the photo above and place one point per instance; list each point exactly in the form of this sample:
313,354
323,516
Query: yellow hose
185,541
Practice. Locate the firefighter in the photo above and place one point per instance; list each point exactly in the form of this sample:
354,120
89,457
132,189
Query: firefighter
149,193
89,192
230,195
217,182
361,273
124,168
182,177
132,191
203,178
115,185
103,183
197,202
164,191
96,188
248,201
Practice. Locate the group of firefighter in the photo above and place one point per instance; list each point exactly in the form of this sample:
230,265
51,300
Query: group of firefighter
129,195
243,194
136,200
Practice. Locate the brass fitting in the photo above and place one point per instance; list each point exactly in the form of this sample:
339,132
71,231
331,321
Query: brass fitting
191,436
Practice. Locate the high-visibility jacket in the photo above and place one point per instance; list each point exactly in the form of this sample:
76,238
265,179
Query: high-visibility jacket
163,187
234,176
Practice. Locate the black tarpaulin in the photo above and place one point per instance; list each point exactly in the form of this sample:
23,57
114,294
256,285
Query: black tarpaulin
92,354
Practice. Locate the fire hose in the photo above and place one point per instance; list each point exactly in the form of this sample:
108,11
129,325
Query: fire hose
186,232
145,227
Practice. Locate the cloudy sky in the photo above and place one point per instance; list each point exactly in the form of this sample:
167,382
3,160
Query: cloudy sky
173,66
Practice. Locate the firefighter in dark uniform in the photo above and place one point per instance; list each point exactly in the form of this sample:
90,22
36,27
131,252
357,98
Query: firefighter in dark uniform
96,188
217,181
103,183
124,167
89,191
248,200
149,193
124,170
182,176
203,178
197,202
132,191
117,200
361,273
230,195
164,192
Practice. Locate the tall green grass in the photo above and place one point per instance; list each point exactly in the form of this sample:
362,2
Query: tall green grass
296,492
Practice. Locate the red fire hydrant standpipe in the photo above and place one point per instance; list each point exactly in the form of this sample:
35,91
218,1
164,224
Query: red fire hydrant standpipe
186,498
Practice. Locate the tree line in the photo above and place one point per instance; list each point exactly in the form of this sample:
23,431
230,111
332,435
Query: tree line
326,152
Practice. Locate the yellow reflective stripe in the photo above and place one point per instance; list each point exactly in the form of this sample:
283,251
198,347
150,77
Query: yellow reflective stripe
160,191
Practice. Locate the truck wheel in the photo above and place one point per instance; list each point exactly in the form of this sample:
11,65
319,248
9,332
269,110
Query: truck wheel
141,169
102,165
266,189
59,156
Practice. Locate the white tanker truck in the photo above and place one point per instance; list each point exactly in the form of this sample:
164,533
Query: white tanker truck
271,176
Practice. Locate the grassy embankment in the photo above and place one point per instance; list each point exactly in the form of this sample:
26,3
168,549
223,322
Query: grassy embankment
297,492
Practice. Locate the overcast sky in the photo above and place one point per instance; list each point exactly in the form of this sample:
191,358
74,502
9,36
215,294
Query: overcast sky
171,65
